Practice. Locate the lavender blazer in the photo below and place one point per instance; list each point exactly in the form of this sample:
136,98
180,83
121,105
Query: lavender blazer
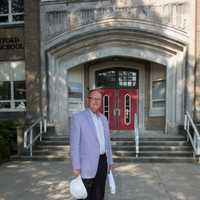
84,144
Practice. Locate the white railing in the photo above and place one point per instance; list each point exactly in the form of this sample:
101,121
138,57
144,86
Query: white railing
29,138
192,135
136,134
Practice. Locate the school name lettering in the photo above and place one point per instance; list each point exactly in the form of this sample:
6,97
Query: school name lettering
11,43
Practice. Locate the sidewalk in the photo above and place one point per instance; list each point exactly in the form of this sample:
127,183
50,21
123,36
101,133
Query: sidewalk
50,181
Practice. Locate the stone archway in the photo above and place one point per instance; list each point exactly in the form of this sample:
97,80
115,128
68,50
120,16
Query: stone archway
116,42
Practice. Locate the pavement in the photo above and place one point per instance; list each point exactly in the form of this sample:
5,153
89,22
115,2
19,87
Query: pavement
28,180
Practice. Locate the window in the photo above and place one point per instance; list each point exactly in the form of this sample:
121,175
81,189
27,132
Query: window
157,90
74,90
127,79
106,79
158,93
11,11
12,86
158,98
116,78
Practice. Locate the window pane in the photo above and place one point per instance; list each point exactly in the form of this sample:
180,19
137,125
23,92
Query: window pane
127,109
106,79
5,90
3,19
106,106
3,6
17,18
19,90
75,90
18,69
159,104
127,79
5,105
5,72
17,6
158,90
20,105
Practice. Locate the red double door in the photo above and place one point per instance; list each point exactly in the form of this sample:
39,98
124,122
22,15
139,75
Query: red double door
119,105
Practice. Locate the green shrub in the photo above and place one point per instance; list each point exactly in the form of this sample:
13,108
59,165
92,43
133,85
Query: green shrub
7,138
4,149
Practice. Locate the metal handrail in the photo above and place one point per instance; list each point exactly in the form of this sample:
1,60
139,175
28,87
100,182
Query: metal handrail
195,137
29,140
136,134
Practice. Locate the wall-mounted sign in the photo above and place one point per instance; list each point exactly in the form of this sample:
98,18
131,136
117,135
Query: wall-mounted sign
11,43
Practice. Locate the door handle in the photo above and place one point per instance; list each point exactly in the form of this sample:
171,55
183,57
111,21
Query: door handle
114,112
118,112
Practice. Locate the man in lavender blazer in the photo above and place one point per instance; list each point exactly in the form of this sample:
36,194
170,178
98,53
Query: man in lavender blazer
90,147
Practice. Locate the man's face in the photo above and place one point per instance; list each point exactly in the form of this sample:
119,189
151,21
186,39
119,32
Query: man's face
94,101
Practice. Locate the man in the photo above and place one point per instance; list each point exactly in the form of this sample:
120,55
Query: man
90,147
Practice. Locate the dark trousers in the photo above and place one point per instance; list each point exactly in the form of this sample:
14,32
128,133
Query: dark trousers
96,186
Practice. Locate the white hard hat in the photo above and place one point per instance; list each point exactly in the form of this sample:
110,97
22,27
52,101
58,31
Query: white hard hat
77,188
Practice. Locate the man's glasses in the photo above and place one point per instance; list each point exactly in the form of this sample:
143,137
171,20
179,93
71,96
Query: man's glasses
95,99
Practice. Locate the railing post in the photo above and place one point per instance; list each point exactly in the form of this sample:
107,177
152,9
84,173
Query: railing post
136,134
198,146
45,125
40,130
137,142
31,142
185,122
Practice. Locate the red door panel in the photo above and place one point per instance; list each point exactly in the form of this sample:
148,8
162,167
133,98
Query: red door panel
107,105
119,105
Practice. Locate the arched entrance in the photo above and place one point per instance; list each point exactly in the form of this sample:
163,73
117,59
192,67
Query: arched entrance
119,88
124,44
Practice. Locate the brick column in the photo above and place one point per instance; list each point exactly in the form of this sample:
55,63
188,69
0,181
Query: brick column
32,58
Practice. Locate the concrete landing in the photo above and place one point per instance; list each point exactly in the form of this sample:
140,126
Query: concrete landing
50,181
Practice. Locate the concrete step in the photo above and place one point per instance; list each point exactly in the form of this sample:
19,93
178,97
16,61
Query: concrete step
180,138
151,143
56,143
52,147
56,138
154,153
50,152
154,159
153,148
42,158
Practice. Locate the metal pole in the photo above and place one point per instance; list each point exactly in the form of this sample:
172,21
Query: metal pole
31,143
40,130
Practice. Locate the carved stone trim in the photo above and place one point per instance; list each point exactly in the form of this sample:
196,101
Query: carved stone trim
171,14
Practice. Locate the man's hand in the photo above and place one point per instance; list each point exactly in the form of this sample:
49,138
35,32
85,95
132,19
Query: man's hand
76,172
110,168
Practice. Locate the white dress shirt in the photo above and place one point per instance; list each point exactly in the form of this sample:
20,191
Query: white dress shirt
100,131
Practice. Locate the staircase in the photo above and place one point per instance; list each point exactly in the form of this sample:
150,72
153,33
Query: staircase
52,147
153,149
163,149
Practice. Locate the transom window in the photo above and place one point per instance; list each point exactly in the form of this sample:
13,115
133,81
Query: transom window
11,11
12,86
117,78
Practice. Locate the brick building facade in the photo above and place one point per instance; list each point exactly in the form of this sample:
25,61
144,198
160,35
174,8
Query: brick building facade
64,48
20,59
